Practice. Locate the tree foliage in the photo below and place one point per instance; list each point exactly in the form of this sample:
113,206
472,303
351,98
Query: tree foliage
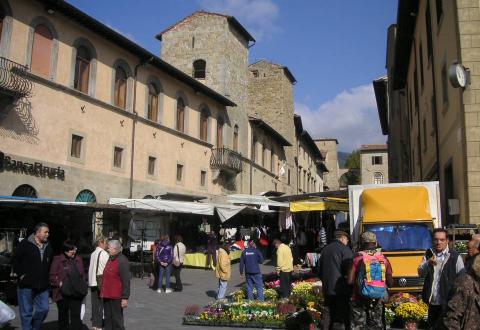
353,160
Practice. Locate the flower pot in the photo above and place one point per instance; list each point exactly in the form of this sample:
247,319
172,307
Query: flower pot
409,325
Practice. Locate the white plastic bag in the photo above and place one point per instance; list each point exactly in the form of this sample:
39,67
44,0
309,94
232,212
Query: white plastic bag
6,314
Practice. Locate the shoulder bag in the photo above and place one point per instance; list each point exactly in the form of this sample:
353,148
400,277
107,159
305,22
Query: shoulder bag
73,284
98,277
176,261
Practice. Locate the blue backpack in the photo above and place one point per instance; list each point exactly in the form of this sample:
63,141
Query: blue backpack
371,276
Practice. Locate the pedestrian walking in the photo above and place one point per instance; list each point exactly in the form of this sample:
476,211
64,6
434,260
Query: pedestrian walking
98,261
463,309
250,261
223,270
115,286
371,275
69,286
473,250
31,263
334,265
179,251
164,256
284,266
440,267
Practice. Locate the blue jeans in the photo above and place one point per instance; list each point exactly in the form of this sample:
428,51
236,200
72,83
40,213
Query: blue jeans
257,281
222,289
167,271
33,307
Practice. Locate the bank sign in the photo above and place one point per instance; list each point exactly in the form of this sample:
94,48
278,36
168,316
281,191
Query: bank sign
35,169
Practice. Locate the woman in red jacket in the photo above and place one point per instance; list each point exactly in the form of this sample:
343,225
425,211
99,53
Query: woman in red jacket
115,287
64,267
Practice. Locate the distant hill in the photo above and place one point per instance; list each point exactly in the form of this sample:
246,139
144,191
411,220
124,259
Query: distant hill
342,158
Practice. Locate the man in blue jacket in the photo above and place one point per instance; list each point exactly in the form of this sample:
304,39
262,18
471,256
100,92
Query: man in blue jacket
249,265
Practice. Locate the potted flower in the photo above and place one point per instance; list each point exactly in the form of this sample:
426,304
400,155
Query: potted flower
412,313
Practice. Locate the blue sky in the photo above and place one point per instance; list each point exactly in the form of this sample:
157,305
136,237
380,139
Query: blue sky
334,48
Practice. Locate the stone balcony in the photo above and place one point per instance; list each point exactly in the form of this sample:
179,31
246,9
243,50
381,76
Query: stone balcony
227,160
14,80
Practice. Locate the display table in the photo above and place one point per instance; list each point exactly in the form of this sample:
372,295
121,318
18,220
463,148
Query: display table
200,259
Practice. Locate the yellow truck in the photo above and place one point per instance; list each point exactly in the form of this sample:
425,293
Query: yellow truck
402,216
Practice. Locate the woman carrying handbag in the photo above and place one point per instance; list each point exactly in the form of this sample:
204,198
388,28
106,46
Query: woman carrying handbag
67,277
178,259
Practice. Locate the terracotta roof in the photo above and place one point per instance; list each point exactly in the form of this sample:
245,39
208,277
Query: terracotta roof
232,20
371,147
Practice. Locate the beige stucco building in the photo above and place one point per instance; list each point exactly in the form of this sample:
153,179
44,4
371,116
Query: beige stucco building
86,114
431,120
374,164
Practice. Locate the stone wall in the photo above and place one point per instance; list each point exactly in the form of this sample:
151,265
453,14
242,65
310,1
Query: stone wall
329,148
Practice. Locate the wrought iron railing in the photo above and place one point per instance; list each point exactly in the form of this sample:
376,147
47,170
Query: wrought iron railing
14,79
226,159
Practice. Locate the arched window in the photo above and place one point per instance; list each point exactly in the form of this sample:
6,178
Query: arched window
120,97
235,138
42,50
25,190
82,69
254,149
152,103
220,124
180,115
199,69
377,178
204,124
86,196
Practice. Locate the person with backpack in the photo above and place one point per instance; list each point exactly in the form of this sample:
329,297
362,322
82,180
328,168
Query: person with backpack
370,275
69,283
164,254
250,260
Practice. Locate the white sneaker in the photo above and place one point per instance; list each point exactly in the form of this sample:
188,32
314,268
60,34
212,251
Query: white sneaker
168,290
159,290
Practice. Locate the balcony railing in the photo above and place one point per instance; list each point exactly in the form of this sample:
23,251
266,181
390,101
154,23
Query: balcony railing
14,79
226,159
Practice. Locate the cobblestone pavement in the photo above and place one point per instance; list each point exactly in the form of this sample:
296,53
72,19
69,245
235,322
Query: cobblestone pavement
151,310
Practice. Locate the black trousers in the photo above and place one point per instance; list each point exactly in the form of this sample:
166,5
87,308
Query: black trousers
435,314
69,313
178,281
97,307
336,308
113,314
285,284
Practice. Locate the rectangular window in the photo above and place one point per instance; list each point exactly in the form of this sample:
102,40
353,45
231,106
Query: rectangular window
203,178
439,10
76,149
151,165
445,84
288,176
117,157
428,21
424,134
179,172
272,161
422,78
376,160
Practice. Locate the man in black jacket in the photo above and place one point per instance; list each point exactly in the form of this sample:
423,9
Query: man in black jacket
440,268
334,264
31,263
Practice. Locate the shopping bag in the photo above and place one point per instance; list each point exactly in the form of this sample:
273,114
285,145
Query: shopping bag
6,314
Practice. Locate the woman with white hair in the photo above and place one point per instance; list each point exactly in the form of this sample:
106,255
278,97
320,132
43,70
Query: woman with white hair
115,286
463,310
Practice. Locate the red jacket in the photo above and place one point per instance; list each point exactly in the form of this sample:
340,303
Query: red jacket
61,266
116,278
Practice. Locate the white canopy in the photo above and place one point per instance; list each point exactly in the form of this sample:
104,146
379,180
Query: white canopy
226,211
255,200
164,205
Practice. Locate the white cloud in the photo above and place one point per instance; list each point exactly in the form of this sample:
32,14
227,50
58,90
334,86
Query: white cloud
351,117
258,16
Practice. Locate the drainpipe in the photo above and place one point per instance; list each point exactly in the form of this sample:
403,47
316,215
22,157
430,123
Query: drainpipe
134,121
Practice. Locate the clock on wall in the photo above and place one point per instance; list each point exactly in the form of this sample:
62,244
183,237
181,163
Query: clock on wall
458,75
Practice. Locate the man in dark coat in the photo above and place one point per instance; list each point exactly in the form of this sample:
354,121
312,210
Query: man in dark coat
440,268
31,263
334,264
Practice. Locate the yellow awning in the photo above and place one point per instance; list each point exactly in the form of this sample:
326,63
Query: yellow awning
319,204
395,204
